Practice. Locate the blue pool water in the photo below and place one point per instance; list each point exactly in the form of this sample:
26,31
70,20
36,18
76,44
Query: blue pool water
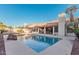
40,43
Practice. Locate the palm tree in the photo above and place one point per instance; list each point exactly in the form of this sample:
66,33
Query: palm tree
70,12
73,24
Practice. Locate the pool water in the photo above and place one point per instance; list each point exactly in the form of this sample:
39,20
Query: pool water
39,43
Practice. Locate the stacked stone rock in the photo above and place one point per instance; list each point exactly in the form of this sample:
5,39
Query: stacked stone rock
2,45
75,48
12,37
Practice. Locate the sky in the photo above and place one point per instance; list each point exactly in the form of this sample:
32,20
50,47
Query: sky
19,14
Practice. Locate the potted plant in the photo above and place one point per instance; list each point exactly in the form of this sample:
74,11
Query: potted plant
76,31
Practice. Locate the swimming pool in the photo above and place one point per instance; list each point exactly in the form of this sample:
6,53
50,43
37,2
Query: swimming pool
39,43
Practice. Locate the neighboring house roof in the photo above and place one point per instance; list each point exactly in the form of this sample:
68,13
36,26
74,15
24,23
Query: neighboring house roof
48,24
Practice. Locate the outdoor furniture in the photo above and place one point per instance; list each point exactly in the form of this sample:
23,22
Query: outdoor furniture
12,37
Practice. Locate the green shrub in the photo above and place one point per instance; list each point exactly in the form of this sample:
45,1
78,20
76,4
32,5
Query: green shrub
76,30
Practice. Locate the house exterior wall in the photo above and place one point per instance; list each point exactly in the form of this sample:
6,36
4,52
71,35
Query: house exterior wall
61,25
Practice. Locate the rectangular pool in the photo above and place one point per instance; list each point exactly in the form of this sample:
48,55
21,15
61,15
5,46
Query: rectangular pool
39,43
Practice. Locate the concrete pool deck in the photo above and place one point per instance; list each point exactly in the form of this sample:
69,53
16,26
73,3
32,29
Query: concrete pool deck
16,47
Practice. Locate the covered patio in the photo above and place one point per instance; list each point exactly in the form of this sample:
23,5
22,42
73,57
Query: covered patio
46,28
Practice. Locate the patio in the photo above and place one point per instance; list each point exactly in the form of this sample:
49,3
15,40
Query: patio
63,47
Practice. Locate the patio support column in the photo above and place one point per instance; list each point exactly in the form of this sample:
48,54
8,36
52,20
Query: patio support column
61,28
44,30
38,30
53,29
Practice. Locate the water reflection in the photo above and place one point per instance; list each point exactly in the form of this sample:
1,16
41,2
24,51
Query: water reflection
45,39
40,43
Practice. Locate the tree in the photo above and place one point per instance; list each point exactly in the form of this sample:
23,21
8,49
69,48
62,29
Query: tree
70,12
73,24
